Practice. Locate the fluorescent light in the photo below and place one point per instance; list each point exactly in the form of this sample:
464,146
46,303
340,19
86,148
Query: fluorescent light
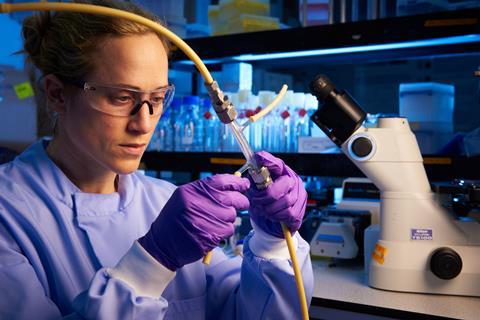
471,38
375,47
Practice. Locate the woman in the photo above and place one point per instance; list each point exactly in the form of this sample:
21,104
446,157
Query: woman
82,234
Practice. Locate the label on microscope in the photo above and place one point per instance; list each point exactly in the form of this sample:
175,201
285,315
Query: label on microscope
421,234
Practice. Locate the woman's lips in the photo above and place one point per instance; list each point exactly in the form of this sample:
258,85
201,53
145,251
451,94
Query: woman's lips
133,148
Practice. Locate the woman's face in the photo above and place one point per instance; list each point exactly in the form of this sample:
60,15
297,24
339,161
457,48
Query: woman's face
116,143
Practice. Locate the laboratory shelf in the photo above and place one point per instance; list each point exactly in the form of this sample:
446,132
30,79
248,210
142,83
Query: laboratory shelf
329,165
254,47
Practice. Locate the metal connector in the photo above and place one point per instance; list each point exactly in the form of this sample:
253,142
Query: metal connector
223,107
261,177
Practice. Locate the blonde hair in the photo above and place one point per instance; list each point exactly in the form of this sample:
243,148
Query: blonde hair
63,44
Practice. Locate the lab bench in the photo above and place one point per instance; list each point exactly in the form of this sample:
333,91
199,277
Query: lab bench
341,292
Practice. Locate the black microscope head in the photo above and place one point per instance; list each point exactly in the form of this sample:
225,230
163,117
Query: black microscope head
338,115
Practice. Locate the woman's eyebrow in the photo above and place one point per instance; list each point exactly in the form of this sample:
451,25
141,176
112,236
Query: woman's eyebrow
128,86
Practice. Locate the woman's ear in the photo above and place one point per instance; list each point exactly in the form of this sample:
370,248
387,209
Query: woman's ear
55,93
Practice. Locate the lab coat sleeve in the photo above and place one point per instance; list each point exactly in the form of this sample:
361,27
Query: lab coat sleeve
111,298
142,272
264,289
22,295
267,246
130,290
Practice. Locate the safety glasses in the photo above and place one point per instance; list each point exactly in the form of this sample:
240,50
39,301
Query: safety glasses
124,102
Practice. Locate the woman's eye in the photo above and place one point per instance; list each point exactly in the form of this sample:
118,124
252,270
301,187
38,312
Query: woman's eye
121,99
157,100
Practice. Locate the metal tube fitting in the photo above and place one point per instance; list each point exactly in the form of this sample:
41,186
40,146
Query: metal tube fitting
261,177
223,107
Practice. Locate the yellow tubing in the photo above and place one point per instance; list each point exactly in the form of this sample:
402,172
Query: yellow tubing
208,257
296,271
272,105
94,9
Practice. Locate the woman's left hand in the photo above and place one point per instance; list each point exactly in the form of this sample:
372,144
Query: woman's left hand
283,201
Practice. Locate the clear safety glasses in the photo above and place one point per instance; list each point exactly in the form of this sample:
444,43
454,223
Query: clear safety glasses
125,102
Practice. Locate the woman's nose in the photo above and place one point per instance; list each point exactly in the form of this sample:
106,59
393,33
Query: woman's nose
141,120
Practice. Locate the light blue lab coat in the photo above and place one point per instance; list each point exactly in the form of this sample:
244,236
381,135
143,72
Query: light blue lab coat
56,243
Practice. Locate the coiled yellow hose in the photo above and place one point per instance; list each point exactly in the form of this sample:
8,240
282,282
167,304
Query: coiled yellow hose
94,9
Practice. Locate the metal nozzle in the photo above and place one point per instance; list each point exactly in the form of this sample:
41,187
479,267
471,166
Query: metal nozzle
261,177
223,107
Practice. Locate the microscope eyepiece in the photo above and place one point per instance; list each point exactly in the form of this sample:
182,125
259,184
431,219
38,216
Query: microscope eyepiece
338,115
321,87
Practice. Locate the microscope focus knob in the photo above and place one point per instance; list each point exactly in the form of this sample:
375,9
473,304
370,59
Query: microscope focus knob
361,147
445,263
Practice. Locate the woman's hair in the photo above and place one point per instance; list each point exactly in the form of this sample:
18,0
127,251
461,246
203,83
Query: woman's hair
63,44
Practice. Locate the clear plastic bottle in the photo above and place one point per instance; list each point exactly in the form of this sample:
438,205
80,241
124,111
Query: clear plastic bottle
300,120
165,129
268,122
170,116
256,127
190,127
285,123
211,127
175,111
159,139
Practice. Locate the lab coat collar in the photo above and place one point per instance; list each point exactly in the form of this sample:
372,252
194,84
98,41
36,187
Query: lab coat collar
45,173
102,216
95,204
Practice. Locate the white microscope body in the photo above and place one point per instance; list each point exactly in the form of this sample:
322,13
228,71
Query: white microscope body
412,225
421,247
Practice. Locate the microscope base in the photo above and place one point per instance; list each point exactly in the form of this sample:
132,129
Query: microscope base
405,266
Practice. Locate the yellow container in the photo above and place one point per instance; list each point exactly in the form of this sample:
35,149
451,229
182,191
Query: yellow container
246,23
231,9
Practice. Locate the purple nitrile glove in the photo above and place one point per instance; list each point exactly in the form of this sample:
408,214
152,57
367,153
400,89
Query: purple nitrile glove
195,219
284,200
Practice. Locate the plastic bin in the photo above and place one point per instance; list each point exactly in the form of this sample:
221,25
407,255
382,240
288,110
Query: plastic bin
428,106
427,101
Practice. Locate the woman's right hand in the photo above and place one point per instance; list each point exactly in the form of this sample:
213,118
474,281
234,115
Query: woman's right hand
195,219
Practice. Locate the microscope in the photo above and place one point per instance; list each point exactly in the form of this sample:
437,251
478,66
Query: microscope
421,247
